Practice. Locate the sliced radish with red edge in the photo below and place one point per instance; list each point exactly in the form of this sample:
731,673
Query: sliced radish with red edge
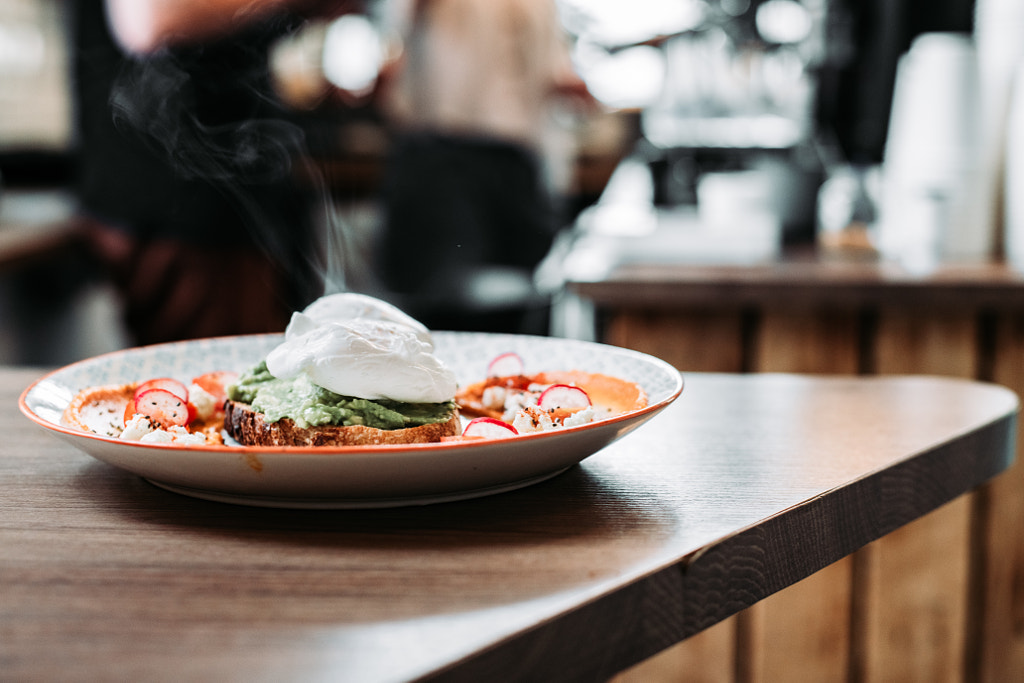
163,408
167,384
563,397
507,364
489,428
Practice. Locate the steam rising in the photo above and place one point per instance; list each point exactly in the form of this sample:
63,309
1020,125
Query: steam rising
156,100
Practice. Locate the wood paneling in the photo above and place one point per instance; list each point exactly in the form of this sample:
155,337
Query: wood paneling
910,341
913,588
914,627
804,630
694,340
708,657
802,633
941,599
809,341
998,653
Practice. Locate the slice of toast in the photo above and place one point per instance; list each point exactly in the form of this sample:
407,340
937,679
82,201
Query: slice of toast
249,428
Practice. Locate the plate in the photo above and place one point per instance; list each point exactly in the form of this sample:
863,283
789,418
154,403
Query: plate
353,476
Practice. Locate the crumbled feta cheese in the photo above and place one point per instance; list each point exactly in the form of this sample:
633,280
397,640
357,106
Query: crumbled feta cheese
158,436
178,435
532,419
204,402
494,397
516,401
580,417
138,427
183,436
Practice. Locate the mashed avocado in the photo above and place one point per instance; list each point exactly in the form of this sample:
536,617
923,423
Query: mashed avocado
310,405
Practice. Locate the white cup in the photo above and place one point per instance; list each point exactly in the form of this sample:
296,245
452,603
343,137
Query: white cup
1014,178
998,27
931,155
933,130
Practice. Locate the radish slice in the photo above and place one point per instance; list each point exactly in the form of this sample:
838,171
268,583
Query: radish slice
506,365
163,408
489,428
563,397
167,384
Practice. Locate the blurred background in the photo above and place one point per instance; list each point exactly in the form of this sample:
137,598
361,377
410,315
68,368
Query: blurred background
717,130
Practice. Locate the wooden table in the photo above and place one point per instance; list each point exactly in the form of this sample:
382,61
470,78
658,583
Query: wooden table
941,599
747,484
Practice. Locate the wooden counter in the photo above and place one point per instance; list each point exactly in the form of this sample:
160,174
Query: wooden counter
939,600
805,281
743,486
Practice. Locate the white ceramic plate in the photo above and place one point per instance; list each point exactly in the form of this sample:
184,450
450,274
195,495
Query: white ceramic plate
367,476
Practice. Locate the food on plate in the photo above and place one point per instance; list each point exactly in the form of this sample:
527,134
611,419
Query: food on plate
352,370
542,401
157,410
488,428
505,364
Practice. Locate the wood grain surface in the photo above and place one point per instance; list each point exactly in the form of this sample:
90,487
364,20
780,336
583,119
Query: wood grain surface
937,601
746,485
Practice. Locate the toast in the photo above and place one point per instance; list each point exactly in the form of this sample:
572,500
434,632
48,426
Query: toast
249,428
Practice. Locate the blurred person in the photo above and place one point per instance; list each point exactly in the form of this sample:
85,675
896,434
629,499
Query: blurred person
185,176
467,201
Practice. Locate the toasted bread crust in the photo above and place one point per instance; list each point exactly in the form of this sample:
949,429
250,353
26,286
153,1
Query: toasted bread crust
249,428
